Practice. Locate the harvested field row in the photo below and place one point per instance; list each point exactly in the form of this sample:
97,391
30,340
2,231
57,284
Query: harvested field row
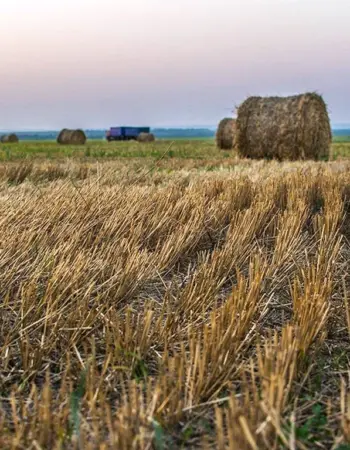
154,172
210,313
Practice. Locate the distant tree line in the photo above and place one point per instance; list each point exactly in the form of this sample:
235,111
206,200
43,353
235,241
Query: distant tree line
160,133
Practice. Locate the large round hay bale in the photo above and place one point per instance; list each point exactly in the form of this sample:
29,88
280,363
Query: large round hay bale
225,134
146,137
71,137
290,128
9,139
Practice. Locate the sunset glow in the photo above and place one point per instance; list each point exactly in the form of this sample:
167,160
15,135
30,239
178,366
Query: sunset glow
161,63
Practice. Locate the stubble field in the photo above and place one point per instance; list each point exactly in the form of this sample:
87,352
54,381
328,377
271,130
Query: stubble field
171,296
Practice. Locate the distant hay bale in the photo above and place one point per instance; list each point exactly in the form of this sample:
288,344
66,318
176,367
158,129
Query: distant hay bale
225,134
71,137
61,135
9,139
146,137
284,128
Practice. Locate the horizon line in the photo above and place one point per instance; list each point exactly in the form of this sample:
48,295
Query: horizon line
335,126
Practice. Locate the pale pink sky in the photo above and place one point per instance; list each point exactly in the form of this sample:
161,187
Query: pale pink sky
95,63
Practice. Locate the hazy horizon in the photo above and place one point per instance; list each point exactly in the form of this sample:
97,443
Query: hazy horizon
95,64
336,126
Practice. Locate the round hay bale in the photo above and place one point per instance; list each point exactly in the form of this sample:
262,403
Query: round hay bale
61,135
225,134
71,137
284,128
146,137
9,139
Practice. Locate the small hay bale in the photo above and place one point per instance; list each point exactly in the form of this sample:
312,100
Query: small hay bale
225,134
61,135
284,128
71,137
146,137
9,139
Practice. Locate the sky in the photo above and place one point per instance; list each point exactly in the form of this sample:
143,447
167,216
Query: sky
166,63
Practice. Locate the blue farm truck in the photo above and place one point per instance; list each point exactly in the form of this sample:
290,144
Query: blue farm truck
125,133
